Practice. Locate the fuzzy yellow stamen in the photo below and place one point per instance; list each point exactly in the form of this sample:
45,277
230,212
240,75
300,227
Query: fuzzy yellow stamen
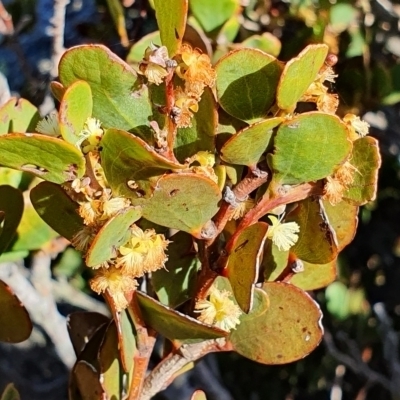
283,235
143,252
49,125
117,284
219,310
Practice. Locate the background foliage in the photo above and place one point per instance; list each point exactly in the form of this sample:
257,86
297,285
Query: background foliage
359,356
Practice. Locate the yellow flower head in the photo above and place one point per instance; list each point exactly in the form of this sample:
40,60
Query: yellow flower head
196,70
90,211
356,127
184,108
83,238
242,208
49,125
90,136
154,65
219,310
283,235
113,205
338,183
333,190
143,252
116,282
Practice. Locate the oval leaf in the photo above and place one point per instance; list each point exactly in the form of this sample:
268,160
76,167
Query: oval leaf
317,241
171,19
113,84
247,146
75,108
314,276
10,393
57,209
211,14
200,136
298,75
184,202
309,147
246,83
198,395
287,331
32,232
127,158
87,381
18,116
174,325
110,370
11,209
343,220
47,157
82,325
174,283
367,160
112,235
126,339
57,90
15,324
244,263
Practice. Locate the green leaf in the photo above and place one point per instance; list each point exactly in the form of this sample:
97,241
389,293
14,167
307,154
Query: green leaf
246,83
309,147
367,160
11,209
174,325
110,369
126,339
247,146
87,381
171,19
113,234
244,262
82,325
343,220
266,42
200,136
10,393
11,177
47,157
212,14
118,99
136,52
15,324
117,14
198,395
57,90
127,158
177,203
57,209
33,232
274,261
18,116
90,355
298,75
282,327
317,242
75,108
314,276
174,283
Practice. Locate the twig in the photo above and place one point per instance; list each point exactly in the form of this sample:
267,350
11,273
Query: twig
358,366
6,23
58,22
163,374
240,192
146,339
40,303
